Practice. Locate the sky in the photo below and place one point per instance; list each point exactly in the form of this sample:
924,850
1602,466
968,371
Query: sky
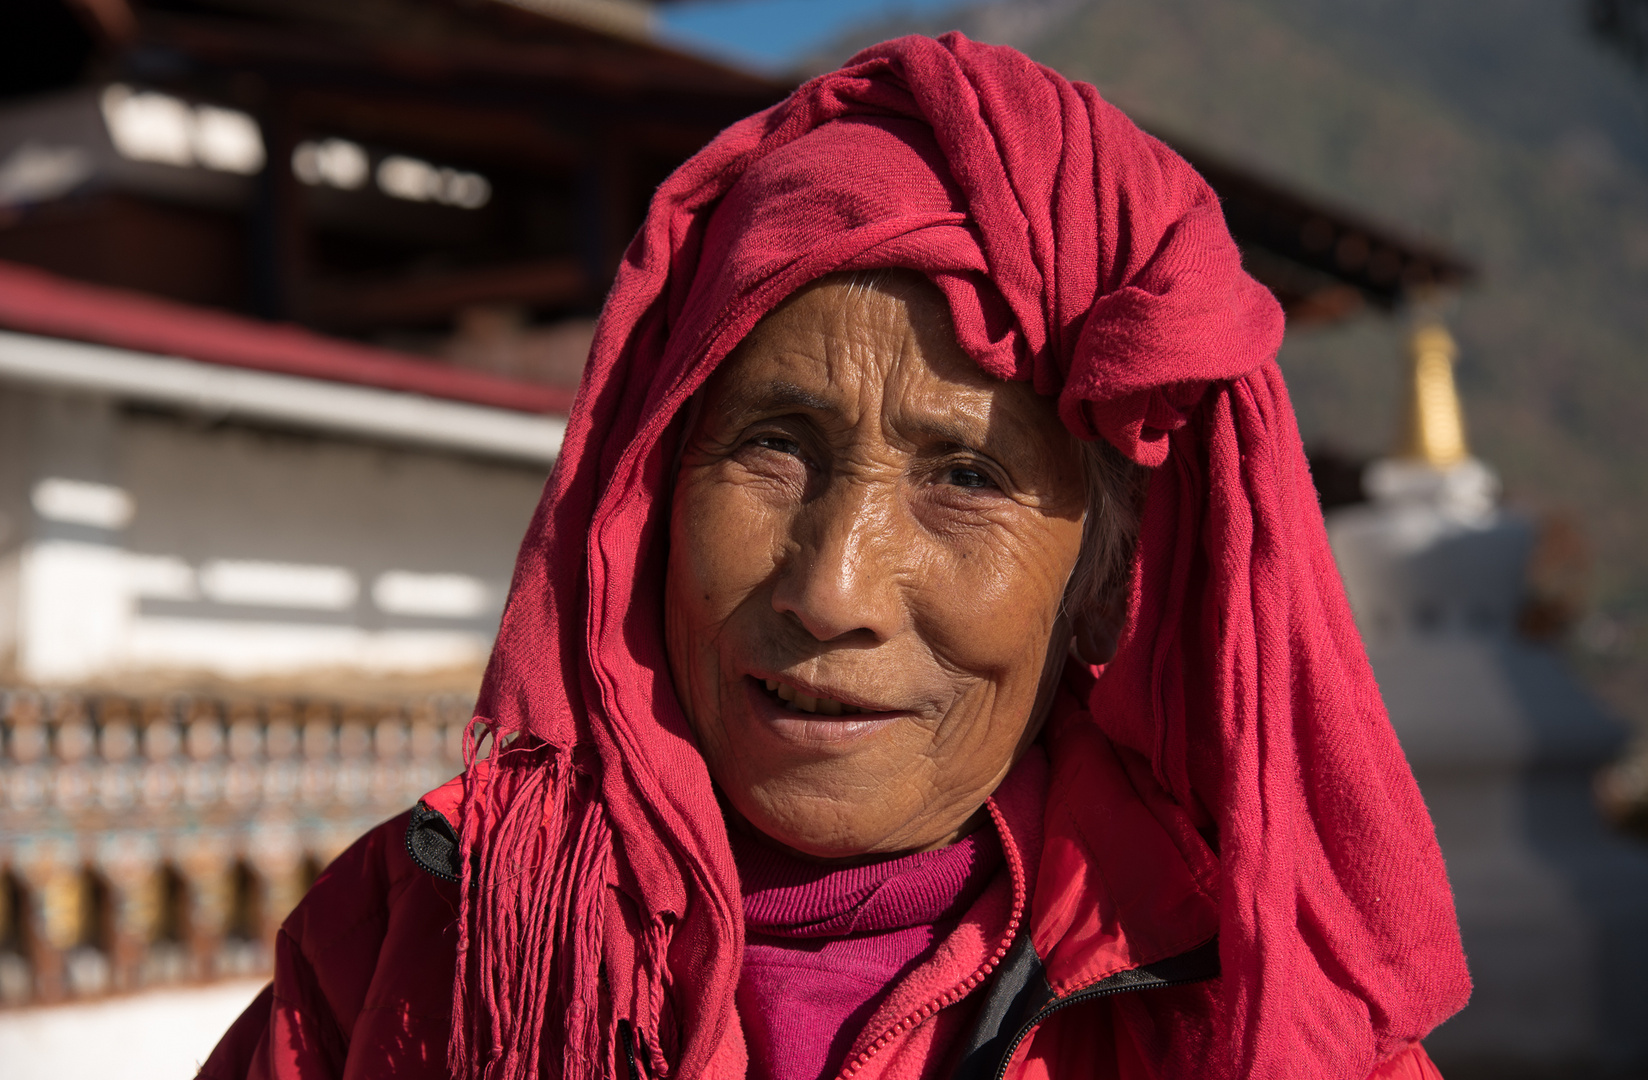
773,35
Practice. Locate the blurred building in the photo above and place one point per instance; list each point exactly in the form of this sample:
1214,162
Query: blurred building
236,501
453,177
293,297
249,576
1506,746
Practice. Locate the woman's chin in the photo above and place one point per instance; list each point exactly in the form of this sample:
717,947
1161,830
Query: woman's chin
846,836
845,842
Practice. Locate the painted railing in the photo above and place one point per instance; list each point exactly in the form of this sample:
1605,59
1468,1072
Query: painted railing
148,841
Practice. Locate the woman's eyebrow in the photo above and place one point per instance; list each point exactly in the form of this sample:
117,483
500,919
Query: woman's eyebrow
779,395
954,429
960,428
950,436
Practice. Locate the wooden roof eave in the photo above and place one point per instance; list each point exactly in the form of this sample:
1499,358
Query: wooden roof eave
1310,252
589,63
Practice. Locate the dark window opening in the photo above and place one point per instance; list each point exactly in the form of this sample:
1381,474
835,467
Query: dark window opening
245,904
44,46
173,925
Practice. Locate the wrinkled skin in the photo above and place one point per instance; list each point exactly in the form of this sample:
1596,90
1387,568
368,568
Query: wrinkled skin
863,516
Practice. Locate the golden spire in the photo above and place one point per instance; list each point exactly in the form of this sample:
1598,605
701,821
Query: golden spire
1436,425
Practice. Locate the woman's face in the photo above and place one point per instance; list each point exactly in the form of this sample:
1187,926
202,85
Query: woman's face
869,544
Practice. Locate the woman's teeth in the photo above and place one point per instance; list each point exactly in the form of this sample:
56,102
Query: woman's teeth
811,704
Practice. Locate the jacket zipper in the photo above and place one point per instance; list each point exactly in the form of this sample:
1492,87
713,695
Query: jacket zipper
1089,994
626,1036
851,1068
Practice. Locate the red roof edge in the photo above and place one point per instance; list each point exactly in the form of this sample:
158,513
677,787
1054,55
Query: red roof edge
33,301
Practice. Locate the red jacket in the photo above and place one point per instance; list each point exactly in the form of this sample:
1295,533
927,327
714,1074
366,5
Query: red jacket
1106,906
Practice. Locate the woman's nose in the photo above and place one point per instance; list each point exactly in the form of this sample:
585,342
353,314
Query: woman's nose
846,576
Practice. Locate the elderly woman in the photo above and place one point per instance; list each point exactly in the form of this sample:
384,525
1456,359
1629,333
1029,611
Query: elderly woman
926,659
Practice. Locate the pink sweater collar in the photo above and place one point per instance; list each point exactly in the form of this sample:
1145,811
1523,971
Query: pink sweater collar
786,896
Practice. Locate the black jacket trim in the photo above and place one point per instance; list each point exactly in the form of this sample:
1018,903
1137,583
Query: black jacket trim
432,843
1018,990
1019,998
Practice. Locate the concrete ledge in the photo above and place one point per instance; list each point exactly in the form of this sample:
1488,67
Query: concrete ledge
215,390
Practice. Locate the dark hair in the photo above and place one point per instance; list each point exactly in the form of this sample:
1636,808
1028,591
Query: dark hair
1115,496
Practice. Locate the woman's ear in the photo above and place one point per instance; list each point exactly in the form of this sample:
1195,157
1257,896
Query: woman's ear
1098,631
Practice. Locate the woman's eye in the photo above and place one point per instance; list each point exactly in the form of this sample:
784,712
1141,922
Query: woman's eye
961,476
778,443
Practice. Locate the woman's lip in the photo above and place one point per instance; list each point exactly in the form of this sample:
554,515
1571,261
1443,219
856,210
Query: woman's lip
816,729
777,684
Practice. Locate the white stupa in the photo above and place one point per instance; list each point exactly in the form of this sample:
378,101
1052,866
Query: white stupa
1553,904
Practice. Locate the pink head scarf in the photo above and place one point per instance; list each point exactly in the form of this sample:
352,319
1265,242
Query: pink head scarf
1080,254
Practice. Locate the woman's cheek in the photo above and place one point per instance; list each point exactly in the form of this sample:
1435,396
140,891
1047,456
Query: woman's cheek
734,540
994,601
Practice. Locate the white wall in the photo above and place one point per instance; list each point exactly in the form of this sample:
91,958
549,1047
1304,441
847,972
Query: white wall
139,541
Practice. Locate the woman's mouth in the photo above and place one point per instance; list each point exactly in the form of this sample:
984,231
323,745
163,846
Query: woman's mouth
806,703
811,720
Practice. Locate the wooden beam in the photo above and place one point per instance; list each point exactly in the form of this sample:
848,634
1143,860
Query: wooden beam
599,65
1286,235
279,247
436,297
517,138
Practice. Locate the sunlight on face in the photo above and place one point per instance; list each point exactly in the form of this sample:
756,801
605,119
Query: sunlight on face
869,543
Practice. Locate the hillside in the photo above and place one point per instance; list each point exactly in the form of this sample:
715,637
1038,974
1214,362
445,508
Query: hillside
1499,128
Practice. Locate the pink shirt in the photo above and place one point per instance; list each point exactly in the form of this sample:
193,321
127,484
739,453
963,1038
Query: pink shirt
827,945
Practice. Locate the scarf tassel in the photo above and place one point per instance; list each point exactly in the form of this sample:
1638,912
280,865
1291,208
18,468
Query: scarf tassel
537,858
